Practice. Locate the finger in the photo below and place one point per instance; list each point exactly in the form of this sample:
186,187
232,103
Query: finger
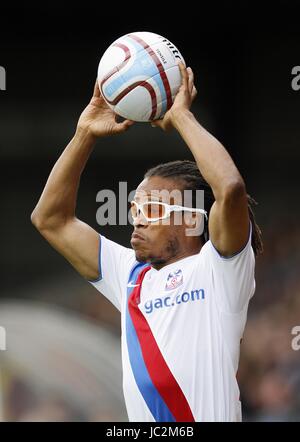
184,74
157,123
191,79
96,92
126,124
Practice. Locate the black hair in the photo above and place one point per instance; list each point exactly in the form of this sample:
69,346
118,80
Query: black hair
188,172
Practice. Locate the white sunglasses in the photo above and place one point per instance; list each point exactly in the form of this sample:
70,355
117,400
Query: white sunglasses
156,210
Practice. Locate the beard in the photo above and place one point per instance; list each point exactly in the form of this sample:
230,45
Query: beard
162,256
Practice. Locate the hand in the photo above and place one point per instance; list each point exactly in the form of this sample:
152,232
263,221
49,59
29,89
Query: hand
99,120
183,100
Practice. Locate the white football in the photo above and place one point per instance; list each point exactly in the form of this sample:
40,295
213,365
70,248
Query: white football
138,76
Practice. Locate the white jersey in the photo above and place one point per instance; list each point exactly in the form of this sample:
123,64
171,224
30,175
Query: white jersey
181,331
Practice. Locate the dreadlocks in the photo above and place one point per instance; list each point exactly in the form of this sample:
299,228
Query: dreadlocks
187,172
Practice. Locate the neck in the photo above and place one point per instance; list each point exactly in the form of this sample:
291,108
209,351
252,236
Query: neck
159,264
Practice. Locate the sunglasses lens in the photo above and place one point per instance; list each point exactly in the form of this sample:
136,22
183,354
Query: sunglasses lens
153,210
133,210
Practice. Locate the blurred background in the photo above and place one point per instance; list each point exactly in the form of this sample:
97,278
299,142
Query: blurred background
62,361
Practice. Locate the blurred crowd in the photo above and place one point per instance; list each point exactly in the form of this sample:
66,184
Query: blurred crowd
269,371
24,403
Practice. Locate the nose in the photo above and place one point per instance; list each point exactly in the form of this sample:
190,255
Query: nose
140,220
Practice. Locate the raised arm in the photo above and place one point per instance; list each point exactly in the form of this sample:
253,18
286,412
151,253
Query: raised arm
229,216
54,215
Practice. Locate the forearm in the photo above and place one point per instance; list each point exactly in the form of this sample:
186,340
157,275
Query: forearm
58,200
214,162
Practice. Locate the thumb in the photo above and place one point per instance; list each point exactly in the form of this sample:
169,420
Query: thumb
96,92
156,123
121,127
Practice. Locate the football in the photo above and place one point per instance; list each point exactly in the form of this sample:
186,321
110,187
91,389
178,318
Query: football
139,76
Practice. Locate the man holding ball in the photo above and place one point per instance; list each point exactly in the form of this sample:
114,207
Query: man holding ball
183,299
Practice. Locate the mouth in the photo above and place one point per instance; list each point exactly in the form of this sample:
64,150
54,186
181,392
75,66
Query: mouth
136,237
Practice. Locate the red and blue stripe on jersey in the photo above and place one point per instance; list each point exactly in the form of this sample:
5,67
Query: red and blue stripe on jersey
159,388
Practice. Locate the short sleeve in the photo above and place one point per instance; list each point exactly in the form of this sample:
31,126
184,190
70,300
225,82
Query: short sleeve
115,263
233,277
